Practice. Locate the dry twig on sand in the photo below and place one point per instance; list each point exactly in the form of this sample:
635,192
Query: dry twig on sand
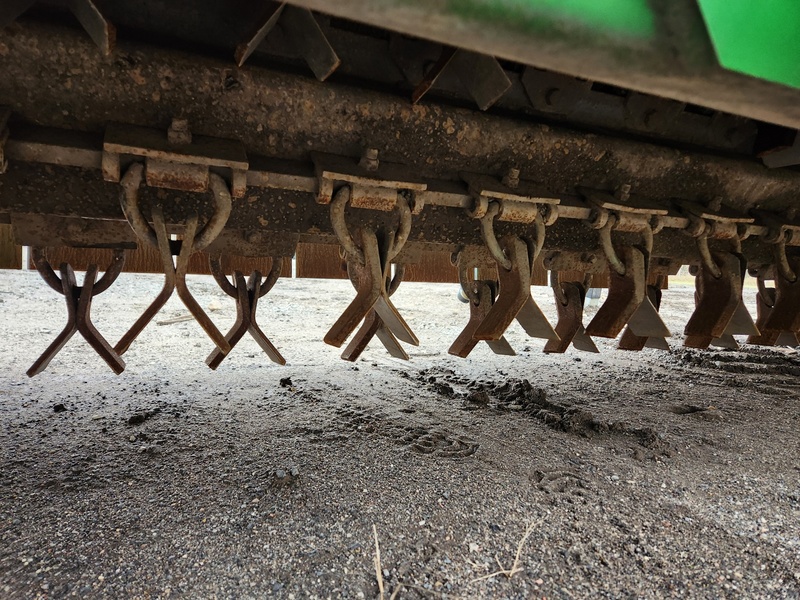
378,568
173,320
515,568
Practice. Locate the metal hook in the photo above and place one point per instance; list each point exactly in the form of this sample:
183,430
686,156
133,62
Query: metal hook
782,261
705,255
129,200
604,233
489,238
403,230
339,224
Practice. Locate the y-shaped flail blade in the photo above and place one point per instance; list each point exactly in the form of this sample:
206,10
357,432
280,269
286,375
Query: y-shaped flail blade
514,301
626,291
256,289
373,325
651,332
716,300
515,285
481,296
174,280
368,279
194,239
79,304
181,267
741,323
785,314
393,321
165,253
765,302
570,320
371,293
246,295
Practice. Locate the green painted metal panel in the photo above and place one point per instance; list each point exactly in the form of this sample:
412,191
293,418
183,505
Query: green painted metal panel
629,18
756,37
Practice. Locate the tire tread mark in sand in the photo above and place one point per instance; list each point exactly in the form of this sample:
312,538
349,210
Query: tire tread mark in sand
441,443
746,361
561,481
518,395
420,439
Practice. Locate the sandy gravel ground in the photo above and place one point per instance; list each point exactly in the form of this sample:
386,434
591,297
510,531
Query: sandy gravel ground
645,475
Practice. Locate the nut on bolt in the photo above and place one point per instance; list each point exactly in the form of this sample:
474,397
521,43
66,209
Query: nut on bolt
254,237
552,96
623,192
369,160
511,178
179,133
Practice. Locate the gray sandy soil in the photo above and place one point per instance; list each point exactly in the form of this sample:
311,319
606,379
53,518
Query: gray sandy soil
636,475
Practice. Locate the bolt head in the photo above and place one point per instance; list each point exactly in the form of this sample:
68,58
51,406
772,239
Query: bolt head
254,237
552,96
589,258
369,159
623,192
179,133
716,203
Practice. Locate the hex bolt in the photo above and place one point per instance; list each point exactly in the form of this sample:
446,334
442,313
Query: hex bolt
623,192
511,178
716,203
552,96
179,133
369,160
254,237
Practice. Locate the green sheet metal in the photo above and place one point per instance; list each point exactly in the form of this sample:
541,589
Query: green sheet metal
629,18
756,37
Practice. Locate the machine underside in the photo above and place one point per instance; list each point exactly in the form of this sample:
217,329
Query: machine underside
244,135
